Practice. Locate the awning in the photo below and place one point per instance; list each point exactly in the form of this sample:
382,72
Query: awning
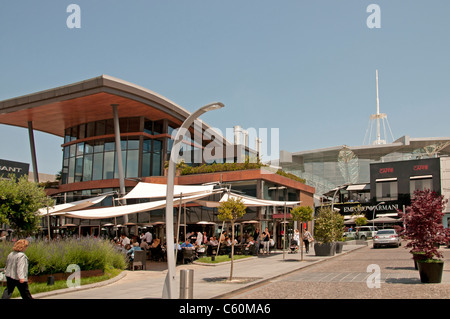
253,202
382,220
358,187
110,212
77,205
248,201
152,190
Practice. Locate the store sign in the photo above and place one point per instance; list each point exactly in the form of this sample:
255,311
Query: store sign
420,167
387,207
16,168
386,170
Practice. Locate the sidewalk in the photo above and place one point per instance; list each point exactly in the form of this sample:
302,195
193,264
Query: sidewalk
208,279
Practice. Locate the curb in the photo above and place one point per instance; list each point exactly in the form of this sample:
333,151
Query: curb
84,287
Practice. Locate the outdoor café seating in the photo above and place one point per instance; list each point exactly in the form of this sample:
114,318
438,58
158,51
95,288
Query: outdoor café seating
140,260
188,255
156,254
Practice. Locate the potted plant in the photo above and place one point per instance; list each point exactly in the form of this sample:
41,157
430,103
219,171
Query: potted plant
324,233
423,228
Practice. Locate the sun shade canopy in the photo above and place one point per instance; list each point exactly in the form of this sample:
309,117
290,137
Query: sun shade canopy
151,190
248,201
81,204
110,212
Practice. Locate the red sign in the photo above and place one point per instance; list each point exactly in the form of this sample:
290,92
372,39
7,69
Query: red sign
386,170
420,167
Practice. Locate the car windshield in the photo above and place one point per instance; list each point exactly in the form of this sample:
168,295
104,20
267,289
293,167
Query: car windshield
386,231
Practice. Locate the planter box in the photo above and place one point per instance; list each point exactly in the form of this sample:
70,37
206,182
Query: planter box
430,272
64,276
417,257
325,249
339,246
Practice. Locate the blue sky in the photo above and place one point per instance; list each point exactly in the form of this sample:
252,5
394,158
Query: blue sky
305,67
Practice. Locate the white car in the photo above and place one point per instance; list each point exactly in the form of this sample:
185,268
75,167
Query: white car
388,237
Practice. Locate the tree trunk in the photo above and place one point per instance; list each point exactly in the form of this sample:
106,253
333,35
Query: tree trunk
232,250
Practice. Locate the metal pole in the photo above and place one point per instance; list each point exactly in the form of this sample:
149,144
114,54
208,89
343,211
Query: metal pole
284,231
187,284
178,227
119,157
33,152
48,222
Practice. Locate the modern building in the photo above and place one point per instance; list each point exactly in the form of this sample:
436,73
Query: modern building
328,168
92,115
391,189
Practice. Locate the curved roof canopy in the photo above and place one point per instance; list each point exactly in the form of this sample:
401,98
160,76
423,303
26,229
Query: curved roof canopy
53,110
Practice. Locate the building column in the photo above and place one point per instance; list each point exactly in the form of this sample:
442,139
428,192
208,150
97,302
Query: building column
33,152
119,157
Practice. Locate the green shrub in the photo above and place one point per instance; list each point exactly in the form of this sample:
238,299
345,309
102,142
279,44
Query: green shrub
55,256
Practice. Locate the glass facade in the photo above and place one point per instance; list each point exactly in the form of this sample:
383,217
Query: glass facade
96,159
330,168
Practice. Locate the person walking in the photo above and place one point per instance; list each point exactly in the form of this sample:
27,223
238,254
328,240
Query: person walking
266,241
307,238
16,271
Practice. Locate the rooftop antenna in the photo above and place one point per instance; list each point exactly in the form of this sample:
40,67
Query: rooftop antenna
378,116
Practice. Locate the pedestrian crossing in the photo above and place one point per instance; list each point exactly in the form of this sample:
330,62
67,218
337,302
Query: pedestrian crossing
397,277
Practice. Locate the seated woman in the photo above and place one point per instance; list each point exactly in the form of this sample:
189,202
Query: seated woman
156,250
249,245
131,250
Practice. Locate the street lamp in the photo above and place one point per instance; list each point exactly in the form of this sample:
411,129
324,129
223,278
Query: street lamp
168,290
374,211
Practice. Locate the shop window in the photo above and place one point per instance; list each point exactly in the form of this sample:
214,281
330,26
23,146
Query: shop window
420,183
387,189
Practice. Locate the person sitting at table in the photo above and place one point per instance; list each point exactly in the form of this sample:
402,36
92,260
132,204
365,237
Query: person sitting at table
144,245
223,237
156,243
131,250
212,244
187,244
156,250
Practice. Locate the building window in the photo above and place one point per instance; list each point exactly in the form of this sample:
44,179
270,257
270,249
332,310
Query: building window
387,189
420,183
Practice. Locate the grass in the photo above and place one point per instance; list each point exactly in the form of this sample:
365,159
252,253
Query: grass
36,288
221,259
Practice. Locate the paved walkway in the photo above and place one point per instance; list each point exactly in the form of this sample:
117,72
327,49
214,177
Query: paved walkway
208,281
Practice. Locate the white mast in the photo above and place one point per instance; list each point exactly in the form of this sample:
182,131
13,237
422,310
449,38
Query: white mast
378,116
378,141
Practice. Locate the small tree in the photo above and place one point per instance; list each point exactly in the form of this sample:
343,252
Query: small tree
19,204
423,223
231,210
302,214
339,226
324,226
361,221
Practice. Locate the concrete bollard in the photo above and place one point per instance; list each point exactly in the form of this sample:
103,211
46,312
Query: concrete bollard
187,284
